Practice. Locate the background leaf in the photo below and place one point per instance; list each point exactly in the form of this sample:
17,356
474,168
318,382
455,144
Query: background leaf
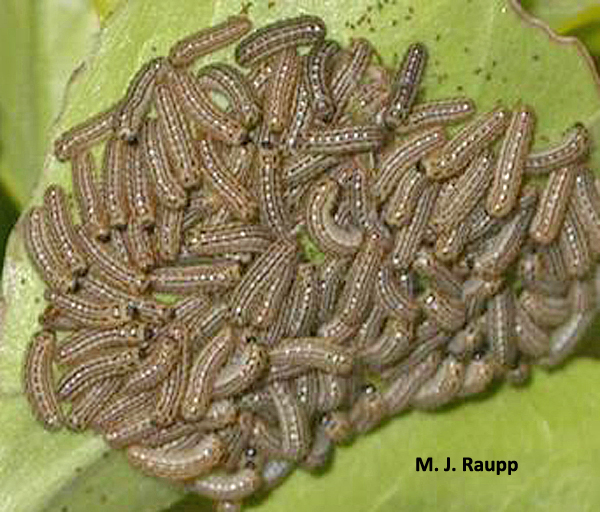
480,49
579,18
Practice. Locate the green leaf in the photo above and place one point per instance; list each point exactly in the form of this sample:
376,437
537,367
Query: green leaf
41,42
579,18
485,50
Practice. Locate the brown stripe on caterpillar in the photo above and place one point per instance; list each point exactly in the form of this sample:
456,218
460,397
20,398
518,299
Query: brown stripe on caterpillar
586,205
391,296
171,392
370,329
437,112
368,411
239,375
337,427
508,173
232,84
300,118
293,423
178,464
442,387
88,196
346,77
503,248
276,330
169,191
208,40
85,342
278,255
266,438
334,391
38,380
232,237
121,408
48,262
317,69
168,233
228,187
357,292
141,192
302,168
86,406
221,414
361,201
280,92
137,101
500,329
546,311
574,245
135,428
531,339
321,451
273,211
476,292
403,156
329,237
481,224
565,338
395,342
207,364
438,275
162,356
446,311
535,276
371,95
343,140
552,206
173,128
182,280
201,110
85,134
113,363
450,243
114,177
479,374
469,189
141,246
276,37
406,85
84,312
402,388
228,486
332,273
467,143
338,330
61,229
147,309
553,261
311,353
574,146
259,76
409,237
303,301
263,309
469,340
209,322
401,205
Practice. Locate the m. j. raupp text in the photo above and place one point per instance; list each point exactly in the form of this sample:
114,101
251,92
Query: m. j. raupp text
469,464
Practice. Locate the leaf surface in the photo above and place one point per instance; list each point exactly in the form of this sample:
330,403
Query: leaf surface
485,50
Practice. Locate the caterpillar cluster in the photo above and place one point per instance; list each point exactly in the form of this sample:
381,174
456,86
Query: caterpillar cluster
277,257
